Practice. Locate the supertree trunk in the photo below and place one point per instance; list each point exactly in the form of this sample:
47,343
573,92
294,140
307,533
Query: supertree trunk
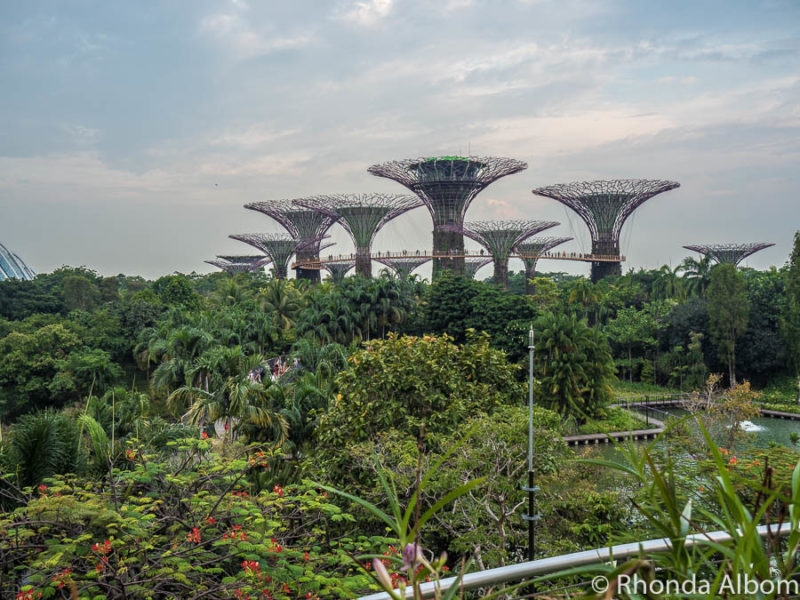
448,243
530,273
311,275
501,272
601,269
363,262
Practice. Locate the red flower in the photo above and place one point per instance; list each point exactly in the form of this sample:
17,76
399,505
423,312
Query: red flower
733,461
42,488
251,567
194,535
305,556
204,435
278,490
210,520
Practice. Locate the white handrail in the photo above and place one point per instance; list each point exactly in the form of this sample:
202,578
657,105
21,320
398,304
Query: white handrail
553,564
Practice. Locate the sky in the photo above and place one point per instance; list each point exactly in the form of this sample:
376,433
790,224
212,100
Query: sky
131,133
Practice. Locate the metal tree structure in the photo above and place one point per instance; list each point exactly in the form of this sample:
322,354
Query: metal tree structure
305,225
472,264
403,265
239,264
363,216
339,269
447,185
278,247
604,206
729,253
501,237
530,251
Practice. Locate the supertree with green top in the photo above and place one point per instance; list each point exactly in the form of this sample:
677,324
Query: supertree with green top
501,237
363,216
307,226
278,247
448,185
531,250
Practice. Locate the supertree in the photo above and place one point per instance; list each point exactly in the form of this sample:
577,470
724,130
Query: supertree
447,185
530,251
403,265
501,237
306,226
604,206
729,253
339,269
472,264
363,216
277,246
239,264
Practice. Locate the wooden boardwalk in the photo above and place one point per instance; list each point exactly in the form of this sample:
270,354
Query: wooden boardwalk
649,434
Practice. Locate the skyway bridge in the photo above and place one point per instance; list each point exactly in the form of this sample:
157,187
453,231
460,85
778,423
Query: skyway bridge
574,256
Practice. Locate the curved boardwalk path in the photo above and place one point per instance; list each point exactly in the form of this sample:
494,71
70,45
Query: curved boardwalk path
649,403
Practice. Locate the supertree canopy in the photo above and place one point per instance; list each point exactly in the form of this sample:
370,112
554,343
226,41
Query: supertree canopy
472,264
363,216
339,269
12,266
306,226
604,206
277,246
403,265
530,251
501,237
729,253
239,264
447,185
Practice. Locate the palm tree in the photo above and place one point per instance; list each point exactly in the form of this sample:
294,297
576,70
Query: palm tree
697,274
586,294
667,284
237,401
283,301
183,345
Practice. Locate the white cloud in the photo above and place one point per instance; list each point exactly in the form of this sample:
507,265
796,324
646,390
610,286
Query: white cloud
235,32
367,13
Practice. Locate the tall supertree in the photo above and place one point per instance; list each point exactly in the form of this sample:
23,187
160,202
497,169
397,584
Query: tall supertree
239,264
339,269
472,264
307,226
729,253
530,251
447,185
604,206
501,237
403,265
277,246
363,216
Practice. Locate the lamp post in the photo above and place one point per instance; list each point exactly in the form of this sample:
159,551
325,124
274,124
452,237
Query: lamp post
531,517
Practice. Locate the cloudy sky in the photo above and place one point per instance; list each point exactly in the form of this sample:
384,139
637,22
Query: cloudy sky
131,133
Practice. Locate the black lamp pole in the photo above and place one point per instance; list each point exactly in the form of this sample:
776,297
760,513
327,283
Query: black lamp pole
531,517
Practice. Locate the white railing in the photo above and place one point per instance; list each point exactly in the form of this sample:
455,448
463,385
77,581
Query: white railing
524,571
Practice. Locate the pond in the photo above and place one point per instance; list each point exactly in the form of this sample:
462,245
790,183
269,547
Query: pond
764,430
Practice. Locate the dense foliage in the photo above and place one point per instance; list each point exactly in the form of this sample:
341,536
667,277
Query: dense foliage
161,436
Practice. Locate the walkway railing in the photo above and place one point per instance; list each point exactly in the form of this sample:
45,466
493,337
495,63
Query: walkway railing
522,572
577,256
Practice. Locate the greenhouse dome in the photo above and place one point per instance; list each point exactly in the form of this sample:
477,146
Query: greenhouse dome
12,267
